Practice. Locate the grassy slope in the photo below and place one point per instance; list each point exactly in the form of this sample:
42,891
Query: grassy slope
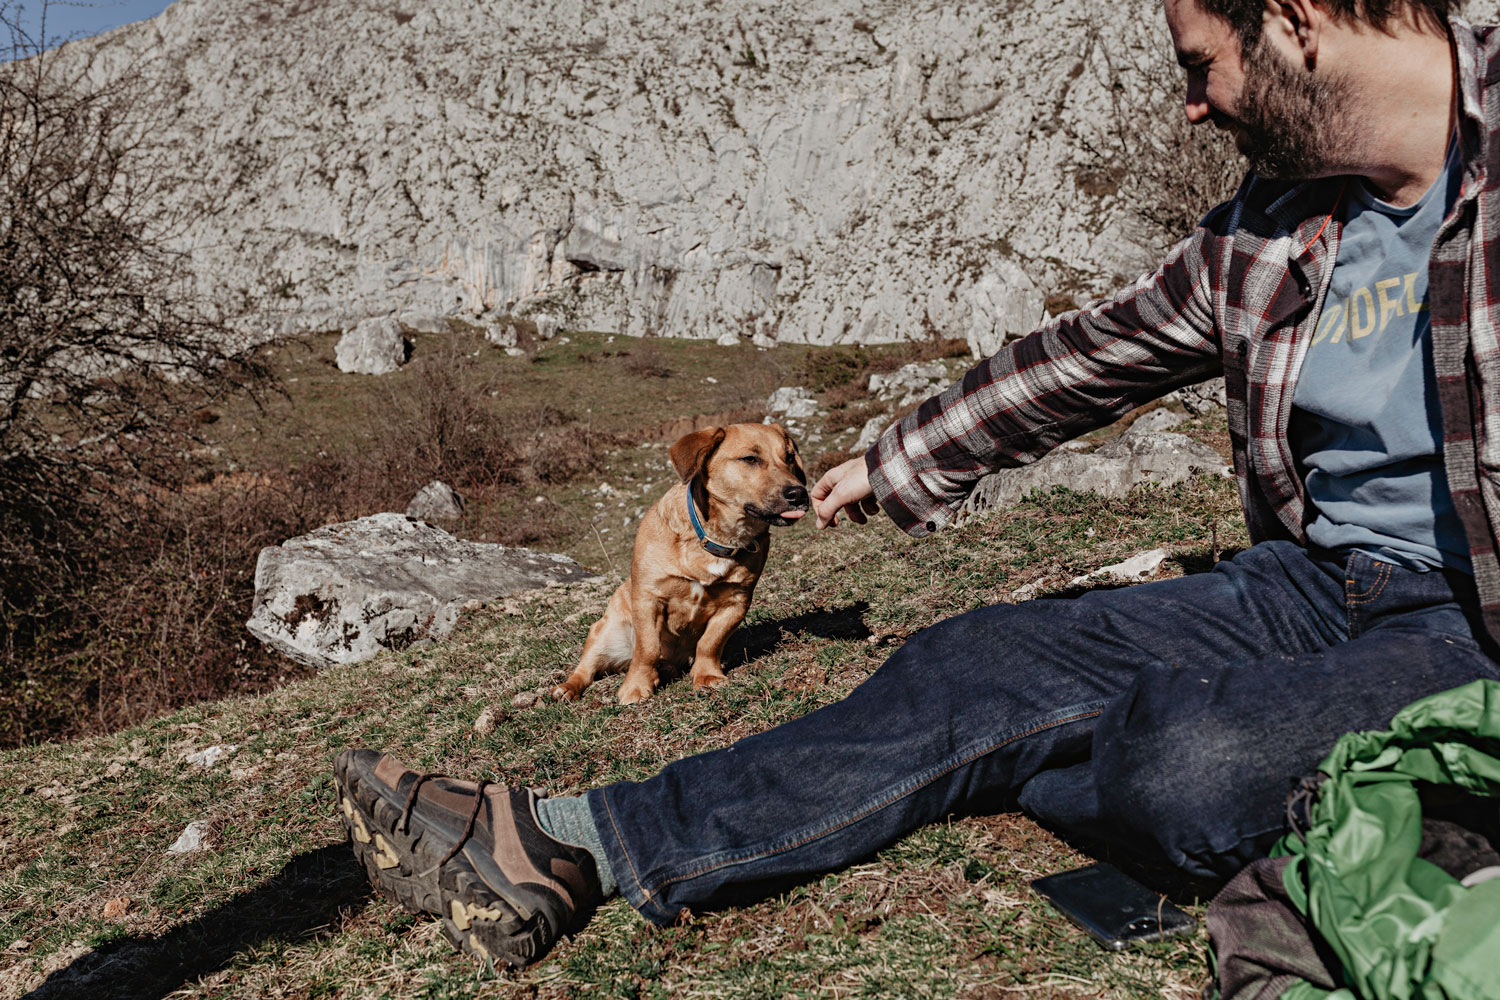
278,908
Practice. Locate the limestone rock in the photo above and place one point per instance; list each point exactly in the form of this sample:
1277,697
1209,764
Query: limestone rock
546,326
910,383
1157,420
728,339
425,322
437,501
375,346
344,592
1203,398
1111,469
870,433
501,334
194,837
1137,569
209,756
792,402
825,172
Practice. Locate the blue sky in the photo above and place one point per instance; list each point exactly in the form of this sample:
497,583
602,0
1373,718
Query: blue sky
78,18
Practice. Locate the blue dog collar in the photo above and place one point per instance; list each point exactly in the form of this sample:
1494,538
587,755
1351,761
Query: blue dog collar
713,547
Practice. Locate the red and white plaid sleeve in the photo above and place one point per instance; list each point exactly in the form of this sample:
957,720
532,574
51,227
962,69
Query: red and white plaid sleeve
1083,370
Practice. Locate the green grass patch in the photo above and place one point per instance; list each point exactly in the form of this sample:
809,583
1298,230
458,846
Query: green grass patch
277,907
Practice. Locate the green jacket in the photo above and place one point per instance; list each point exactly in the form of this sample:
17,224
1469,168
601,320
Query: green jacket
1348,910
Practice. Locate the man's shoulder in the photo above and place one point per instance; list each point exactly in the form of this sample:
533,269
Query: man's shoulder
1267,209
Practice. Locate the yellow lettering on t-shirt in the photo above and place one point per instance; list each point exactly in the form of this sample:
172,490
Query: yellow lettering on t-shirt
1333,317
1388,303
1412,304
1361,314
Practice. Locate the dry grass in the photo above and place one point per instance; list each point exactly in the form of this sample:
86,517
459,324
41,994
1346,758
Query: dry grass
278,908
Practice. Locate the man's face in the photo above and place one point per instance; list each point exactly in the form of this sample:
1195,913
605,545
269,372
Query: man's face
1288,122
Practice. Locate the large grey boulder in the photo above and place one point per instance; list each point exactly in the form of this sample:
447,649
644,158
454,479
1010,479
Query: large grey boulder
344,592
1137,456
374,347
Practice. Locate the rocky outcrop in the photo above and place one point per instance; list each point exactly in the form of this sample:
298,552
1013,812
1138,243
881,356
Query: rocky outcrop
344,592
1136,456
829,171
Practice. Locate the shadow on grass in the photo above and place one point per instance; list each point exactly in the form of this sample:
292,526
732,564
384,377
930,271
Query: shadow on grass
763,638
304,900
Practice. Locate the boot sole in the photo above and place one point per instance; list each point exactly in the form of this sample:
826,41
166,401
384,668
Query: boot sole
402,867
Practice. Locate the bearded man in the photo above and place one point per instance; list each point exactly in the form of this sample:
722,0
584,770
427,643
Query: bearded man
1345,294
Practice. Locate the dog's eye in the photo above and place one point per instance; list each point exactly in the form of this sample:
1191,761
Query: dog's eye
750,459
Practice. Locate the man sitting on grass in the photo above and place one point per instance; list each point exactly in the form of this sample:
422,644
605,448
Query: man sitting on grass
1345,294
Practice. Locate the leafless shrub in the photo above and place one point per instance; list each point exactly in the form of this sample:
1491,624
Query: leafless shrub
647,359
437,426
1171,172
106,352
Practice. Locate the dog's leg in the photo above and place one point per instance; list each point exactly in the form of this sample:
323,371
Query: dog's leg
649,619
608,648
708,666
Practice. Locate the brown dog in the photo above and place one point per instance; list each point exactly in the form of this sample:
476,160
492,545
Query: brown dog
698,553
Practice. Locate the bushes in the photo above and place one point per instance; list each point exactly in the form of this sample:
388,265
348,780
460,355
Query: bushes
107,354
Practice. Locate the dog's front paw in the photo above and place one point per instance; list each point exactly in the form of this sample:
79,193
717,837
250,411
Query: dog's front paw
633,691
565,692
706,681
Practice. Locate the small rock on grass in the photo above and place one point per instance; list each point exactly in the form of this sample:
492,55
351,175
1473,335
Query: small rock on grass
528,698
194,837
1139,567
209,756
490,717
117,907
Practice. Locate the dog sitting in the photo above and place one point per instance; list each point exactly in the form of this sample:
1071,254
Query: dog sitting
698,553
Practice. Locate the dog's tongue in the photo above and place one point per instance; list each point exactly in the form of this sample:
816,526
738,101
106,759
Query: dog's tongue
792,515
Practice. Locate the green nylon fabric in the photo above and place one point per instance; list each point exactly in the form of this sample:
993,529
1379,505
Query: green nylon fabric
1402,927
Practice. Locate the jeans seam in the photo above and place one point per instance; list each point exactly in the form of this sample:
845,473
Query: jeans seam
635,877
1353,600
849,821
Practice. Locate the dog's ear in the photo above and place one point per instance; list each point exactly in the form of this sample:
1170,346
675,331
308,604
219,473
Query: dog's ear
690,454
793,460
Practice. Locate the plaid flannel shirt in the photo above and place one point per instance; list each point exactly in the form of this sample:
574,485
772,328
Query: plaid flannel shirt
1239,297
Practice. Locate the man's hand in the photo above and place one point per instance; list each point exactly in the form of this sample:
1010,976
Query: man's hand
845,486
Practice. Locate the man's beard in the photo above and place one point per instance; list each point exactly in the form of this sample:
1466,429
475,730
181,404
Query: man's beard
1296,123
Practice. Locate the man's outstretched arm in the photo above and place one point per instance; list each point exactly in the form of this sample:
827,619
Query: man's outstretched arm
1083,370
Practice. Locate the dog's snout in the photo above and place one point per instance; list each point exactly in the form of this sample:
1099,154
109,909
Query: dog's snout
795,493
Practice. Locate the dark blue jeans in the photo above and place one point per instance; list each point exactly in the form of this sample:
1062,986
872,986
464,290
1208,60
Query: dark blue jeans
1171,718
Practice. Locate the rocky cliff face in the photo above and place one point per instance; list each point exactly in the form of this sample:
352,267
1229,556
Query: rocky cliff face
827,171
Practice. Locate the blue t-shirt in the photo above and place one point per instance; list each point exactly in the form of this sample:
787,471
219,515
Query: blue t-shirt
1366,426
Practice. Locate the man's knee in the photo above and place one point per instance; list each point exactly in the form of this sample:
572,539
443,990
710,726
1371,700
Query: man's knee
1182,779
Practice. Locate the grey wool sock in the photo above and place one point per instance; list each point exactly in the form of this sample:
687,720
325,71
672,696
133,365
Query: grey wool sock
567,818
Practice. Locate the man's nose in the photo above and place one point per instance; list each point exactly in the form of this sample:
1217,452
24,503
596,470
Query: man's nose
794,494
1196,105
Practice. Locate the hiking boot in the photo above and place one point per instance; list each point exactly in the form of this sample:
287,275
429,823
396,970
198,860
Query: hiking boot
473,855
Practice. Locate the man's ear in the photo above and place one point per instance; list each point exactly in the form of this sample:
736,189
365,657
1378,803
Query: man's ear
793,460
690,454
1296,24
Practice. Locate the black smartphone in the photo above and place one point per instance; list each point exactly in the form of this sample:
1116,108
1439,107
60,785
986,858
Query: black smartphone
1114,908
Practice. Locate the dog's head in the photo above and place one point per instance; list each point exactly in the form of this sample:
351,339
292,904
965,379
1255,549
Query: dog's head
751,467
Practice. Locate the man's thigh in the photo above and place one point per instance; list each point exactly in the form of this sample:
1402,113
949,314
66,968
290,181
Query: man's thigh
1196,760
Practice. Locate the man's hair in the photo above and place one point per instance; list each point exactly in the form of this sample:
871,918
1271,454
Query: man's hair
1244,16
